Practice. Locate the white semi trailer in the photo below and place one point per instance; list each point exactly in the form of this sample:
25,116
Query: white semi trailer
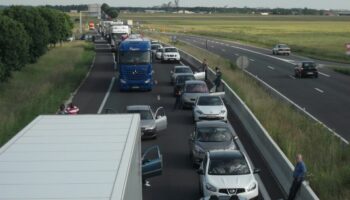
77,157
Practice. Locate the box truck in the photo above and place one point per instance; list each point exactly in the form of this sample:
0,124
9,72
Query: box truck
77,157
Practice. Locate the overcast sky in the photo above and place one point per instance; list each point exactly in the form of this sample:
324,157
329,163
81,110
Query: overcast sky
319,4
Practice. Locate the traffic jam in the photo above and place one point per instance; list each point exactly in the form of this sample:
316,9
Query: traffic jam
223,169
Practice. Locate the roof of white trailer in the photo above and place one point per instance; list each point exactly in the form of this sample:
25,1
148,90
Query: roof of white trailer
69,157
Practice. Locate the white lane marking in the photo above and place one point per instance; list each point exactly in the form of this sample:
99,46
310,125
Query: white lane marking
212,46
319,90
292,76
158,97
223,50
236,54
252,60
262,187
326,75
270,67
106,96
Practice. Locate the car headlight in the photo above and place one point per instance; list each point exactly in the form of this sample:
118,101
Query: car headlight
223,111
147,81
251,187
210,187
122,81
199,112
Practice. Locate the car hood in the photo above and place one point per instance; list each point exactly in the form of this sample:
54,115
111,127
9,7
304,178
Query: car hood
148,124
207,146
234,181
210,110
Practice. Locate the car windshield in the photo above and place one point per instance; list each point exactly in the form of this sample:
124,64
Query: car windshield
309,65
170,50
196,88
145,114
182,70
209,101
213,134
134,57
180,80
228,166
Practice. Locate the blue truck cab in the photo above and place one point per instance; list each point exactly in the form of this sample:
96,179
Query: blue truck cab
134,60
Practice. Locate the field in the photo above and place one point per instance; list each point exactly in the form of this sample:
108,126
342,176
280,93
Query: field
327,158
41,87
320,37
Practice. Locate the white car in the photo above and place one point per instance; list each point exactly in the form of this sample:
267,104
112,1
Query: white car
155,47
209,107
227,173
159,53
170,54
180,69
281,49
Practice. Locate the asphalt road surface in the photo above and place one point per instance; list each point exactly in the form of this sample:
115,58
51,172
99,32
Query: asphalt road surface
326,98
179,180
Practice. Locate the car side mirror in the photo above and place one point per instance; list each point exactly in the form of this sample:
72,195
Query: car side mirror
257,171
200,172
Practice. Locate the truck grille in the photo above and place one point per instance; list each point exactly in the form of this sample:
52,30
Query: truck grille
135,75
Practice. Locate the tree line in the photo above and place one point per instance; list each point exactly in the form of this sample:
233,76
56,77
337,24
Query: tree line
109,12
26,33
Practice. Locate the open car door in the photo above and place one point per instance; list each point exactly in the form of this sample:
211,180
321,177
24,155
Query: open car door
152,162
199,76
161,119
219,94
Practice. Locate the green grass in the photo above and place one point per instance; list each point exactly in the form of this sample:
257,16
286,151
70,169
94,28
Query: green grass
41,87
319,37
326,157
342,70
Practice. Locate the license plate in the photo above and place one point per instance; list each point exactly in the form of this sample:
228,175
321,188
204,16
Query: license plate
135,87
310,73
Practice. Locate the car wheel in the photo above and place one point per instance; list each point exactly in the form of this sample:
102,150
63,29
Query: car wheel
201,193
273,53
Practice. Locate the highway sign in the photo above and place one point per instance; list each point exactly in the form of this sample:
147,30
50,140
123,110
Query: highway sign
242,62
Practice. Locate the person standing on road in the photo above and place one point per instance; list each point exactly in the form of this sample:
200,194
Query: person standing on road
72,109
298,175
205,68
217,80
177,104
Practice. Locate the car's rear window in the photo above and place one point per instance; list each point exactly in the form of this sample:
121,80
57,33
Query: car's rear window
196,88
309,65
183,70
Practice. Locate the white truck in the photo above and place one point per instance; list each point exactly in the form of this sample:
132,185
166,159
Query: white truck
77,157
115,31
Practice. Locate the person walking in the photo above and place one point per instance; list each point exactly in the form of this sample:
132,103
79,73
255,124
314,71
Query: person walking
298,175
72,109
178,94
205,68
61,110
217,80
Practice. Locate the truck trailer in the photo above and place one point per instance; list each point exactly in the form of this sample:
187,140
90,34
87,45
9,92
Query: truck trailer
77,157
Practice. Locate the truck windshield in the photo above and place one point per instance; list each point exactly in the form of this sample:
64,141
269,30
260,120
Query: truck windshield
134,57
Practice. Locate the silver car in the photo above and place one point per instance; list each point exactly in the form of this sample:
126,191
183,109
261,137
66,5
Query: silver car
180,69
151,122
210,135
192,90
209,107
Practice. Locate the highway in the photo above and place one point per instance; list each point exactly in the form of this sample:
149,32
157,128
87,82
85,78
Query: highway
326,98
179,179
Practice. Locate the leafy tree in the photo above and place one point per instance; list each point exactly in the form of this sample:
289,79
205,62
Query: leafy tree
51,17
14,43
35,26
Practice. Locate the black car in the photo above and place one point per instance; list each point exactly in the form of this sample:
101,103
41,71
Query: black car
306,69
180,82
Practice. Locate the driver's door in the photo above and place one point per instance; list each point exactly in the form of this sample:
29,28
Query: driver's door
161,119
152,162
199,76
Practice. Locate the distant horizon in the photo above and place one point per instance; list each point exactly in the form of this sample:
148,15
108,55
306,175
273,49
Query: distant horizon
270,4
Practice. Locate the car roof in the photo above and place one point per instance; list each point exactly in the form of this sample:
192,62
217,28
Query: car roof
169,48
181,66
184,74
194,82
217,154
138,107
215,123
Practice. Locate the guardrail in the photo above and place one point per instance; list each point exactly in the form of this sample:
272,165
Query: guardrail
279,164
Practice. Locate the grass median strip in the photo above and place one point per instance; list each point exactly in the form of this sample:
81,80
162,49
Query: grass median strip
39,88
342,70
327,158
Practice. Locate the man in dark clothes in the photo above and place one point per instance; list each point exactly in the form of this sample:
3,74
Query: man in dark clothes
205,68
299,176
178,99
217,80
